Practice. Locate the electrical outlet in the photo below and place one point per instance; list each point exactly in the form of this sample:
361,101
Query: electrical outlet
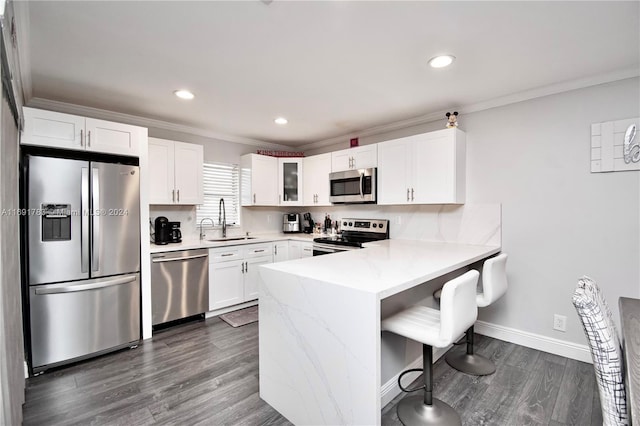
398,220
268,218
559,322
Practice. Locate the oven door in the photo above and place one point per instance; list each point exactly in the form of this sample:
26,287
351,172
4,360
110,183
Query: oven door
320,249
353,186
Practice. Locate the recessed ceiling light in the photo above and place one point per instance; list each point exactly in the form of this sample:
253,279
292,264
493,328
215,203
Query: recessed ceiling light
281,120
184,94
441,61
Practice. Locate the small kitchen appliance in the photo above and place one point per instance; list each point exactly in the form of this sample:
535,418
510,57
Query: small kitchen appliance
291,222
307,223
355,232
175,236
162,230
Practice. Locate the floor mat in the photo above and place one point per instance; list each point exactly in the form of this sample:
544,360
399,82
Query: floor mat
241,317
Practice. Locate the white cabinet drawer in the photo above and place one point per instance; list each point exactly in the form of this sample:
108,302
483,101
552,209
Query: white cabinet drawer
257,250
225,254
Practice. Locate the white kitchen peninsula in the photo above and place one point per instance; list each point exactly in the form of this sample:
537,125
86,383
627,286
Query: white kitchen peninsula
320,340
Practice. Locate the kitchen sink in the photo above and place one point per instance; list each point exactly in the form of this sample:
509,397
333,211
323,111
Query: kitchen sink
221,240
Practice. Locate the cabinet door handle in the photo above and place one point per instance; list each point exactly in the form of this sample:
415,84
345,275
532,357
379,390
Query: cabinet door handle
407,194
254,198
246,266
243,267
89,138
81,137
226,254
411,194
276,250
173,195
258,251
178,195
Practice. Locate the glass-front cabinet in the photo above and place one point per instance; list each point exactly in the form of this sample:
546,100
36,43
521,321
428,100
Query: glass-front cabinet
290,181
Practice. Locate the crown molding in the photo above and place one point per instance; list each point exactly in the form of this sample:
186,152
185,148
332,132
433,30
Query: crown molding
135,120
21,15
526,95
389,127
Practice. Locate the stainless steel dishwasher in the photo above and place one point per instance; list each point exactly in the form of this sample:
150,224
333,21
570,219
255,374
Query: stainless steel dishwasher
179,284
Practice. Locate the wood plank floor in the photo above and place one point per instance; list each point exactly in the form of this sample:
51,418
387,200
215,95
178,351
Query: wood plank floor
206,373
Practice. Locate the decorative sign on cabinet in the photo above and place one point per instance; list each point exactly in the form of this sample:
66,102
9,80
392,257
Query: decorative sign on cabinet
175,170
57,130
423,169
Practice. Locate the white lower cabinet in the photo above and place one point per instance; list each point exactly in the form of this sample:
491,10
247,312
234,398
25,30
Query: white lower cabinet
280,251
300,249
233,273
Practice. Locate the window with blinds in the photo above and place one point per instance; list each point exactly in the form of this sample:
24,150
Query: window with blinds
220,181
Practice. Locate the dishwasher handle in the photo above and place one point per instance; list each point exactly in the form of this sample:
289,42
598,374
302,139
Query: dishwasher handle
173,259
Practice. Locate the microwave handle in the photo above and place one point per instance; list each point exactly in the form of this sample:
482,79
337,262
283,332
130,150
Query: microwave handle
361,185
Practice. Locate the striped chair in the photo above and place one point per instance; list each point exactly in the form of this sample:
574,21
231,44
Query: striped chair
606,351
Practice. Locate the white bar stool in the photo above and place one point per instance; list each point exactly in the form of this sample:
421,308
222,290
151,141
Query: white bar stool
458,311
494,286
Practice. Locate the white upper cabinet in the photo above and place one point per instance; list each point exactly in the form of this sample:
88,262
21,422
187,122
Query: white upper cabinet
66,131
316,180
423,169
175,172
290,181
259,176
362,157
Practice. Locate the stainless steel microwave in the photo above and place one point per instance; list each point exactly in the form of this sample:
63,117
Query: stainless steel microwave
353,186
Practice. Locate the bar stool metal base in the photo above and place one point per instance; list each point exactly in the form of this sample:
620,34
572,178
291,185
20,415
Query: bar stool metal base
413,411
474,364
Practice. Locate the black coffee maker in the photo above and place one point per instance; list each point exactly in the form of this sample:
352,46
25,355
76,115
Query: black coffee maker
162,230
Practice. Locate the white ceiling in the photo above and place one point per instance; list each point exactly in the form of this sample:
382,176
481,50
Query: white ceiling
331,68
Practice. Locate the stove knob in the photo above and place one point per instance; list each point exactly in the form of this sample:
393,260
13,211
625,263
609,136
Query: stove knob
381,225
350,223
344,223
374,225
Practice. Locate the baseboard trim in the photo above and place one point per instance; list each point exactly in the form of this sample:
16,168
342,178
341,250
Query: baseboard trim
221,311
390,389
535,341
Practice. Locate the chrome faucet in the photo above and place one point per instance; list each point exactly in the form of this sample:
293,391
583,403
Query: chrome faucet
201,231
221,208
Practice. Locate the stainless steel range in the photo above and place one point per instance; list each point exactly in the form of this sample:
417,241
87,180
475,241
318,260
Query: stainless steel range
355,232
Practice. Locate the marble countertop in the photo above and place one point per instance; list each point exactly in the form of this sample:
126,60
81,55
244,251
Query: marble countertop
188,244
387,267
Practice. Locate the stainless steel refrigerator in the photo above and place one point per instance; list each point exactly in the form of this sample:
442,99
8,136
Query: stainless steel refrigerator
83,238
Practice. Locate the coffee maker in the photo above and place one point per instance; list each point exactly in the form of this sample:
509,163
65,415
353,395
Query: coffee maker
175,236
162,230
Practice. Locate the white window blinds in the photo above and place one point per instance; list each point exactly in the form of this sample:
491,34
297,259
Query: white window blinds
220,181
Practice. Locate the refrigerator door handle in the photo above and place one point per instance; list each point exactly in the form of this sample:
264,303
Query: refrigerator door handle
56,289
96,211
84,221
